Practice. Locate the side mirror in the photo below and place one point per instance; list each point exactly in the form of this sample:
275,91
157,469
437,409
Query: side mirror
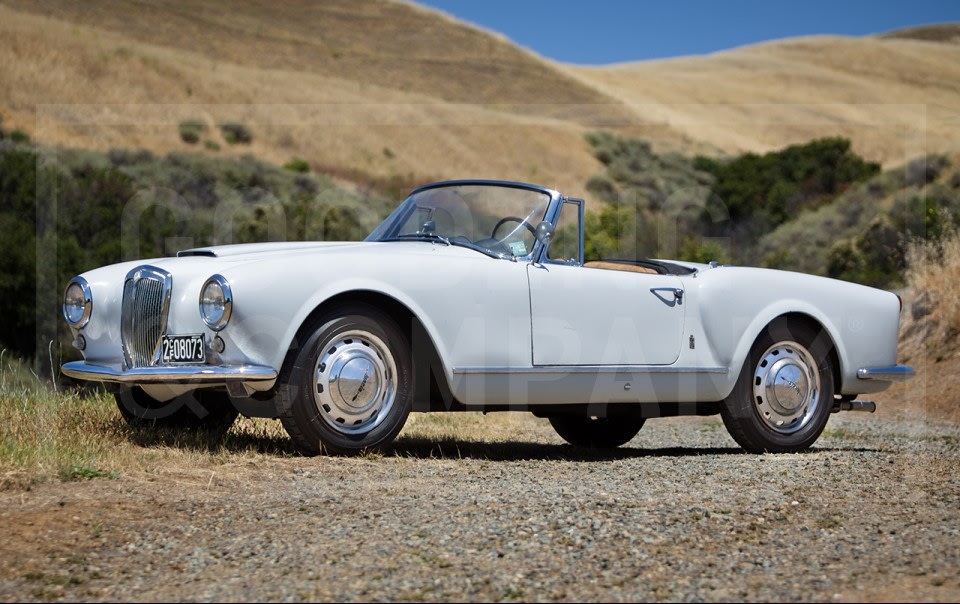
545,233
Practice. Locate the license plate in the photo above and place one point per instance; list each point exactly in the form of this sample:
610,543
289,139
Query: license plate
182,349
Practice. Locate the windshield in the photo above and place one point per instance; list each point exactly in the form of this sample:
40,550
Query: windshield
497,219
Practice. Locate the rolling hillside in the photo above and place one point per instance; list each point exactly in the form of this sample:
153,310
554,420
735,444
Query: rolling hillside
894,96
391,91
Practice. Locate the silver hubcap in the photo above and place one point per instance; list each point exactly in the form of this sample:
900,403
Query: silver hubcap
786,387
355,382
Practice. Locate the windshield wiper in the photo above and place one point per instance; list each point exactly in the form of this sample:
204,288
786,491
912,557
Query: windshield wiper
424,237
457,242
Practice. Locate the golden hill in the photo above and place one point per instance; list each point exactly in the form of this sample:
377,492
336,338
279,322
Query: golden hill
386,89
895,97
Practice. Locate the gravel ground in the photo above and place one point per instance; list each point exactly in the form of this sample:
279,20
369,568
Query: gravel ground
678,514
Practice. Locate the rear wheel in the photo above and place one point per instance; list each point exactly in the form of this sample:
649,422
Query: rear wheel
351,385
784,395
202,409
597,432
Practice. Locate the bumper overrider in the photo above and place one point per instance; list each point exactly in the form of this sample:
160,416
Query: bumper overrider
893,373
187,374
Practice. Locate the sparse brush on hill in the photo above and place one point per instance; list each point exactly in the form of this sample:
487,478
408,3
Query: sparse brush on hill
236,133
91,209
705,208
862,234
191,131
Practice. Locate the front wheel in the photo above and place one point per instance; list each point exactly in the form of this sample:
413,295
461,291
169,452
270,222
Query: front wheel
351,385
597,432
784,394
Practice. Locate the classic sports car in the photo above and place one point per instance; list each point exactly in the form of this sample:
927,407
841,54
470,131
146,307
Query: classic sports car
474,295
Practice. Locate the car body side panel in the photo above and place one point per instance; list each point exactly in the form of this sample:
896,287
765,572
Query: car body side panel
737,303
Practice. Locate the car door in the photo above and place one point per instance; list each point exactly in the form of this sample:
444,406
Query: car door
581,315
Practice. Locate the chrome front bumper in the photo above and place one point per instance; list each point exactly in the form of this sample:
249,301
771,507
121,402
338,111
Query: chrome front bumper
193,374
894,373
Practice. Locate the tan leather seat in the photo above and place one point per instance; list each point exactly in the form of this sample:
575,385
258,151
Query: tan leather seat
619,266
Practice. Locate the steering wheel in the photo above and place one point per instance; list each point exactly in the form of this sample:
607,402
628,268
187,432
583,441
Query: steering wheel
507,219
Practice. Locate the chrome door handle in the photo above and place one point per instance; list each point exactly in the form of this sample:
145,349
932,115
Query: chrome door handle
676,291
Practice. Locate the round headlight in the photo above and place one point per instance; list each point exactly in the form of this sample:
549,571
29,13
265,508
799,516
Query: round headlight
216,302
77,303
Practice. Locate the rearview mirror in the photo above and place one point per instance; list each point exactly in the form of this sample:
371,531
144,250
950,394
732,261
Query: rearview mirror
544,233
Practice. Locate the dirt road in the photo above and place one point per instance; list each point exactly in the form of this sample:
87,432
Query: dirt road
679,514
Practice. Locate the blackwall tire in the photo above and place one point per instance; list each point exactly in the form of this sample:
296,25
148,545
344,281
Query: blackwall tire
350,388
784,394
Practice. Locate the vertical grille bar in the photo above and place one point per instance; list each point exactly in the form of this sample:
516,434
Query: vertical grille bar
146,302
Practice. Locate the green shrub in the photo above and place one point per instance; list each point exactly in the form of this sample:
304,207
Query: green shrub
236,133
191,131
129,157
19,136
211,145
297,165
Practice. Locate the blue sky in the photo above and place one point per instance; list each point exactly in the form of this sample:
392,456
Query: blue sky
608,31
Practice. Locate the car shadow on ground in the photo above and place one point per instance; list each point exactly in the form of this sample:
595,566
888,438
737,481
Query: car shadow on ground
421,448
211,441
532,451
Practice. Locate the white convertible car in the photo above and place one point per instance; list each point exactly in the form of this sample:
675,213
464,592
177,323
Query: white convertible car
474,295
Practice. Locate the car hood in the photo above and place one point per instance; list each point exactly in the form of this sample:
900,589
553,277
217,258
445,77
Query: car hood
252,250
204,261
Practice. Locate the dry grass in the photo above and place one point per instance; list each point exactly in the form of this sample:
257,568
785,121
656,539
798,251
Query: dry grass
895,98
47,435
391,91
934,274
128,88
929,330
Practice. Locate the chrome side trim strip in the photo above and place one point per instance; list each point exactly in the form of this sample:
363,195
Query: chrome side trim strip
81,370
581,369
894,373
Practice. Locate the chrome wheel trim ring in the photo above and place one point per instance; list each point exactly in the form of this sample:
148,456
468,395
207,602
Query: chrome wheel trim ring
355,382
786,387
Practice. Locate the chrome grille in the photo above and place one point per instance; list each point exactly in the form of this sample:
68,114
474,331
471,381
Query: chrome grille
146,301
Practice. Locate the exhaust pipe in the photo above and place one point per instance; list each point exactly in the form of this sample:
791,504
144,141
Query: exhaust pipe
864,406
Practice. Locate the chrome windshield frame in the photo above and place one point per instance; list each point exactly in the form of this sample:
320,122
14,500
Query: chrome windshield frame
553,208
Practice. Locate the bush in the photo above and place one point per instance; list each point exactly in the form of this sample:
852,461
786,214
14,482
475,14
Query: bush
775,186
191,131
211,145
129,157
236,133
297,165
15,136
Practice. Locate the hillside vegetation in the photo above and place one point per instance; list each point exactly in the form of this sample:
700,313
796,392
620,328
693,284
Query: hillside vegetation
385,90
66,211
817,208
